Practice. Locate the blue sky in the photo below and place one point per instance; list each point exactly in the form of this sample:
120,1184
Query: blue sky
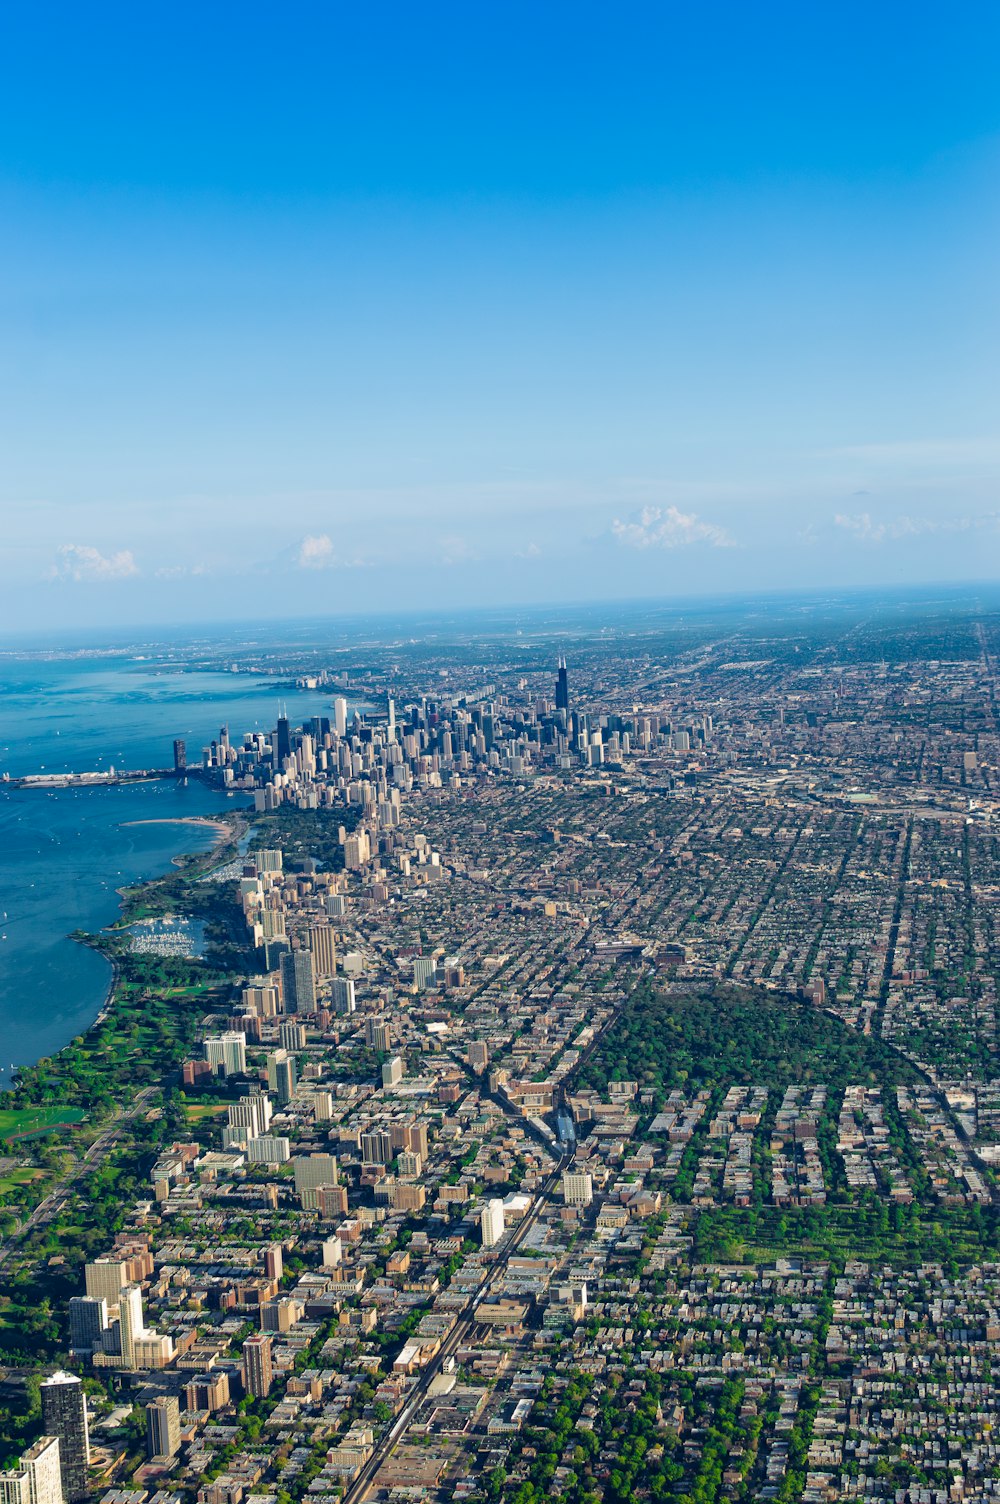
320,307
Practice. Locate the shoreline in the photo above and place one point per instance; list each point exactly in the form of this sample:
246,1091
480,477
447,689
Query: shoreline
212,821
92,1074
206,822
230,827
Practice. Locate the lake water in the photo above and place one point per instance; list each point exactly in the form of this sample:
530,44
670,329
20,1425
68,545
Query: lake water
63,853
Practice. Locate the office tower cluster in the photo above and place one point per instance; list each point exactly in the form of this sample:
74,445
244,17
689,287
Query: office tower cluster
107,1324
365,763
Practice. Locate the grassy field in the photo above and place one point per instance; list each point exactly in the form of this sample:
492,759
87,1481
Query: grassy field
195,1111
23,1175
25,1122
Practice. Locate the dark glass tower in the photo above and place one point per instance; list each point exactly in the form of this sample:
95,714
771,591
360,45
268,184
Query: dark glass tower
298,982
64,1414
284,741
562,687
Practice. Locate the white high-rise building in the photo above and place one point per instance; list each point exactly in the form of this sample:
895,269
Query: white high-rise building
229,1051
424,971
392,1071
36,1479
340,715
269,1150
322,1106
252,1112
491,1222
577,1189
130,1322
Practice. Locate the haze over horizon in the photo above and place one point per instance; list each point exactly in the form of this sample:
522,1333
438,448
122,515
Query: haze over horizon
340,311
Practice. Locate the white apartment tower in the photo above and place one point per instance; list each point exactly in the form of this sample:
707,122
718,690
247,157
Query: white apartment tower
491,1222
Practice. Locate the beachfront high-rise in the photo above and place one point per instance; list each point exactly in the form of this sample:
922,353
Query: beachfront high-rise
64,1414
36,1479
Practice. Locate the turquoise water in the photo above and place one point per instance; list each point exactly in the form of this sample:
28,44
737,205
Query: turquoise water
64,853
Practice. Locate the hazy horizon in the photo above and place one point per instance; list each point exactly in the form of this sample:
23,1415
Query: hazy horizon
544,618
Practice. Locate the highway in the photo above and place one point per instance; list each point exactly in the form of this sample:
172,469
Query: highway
461,1330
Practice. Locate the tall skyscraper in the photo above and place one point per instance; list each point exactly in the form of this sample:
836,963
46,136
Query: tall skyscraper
130,1322
88,1319
163,1427
64,1414
282,741
180,757
324,951
340,716
312,1170
577,1189
282,1076
562,687
378,1034
424,971
342,995
257,1372
298,983
36,1479
491,1223
227,1053
376,1147
291,1036
392,1071
105,1277
252,1112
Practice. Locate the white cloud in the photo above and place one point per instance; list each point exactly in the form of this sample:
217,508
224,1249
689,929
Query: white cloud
456,550
78,561
179,571
668,527
866,529
316,552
